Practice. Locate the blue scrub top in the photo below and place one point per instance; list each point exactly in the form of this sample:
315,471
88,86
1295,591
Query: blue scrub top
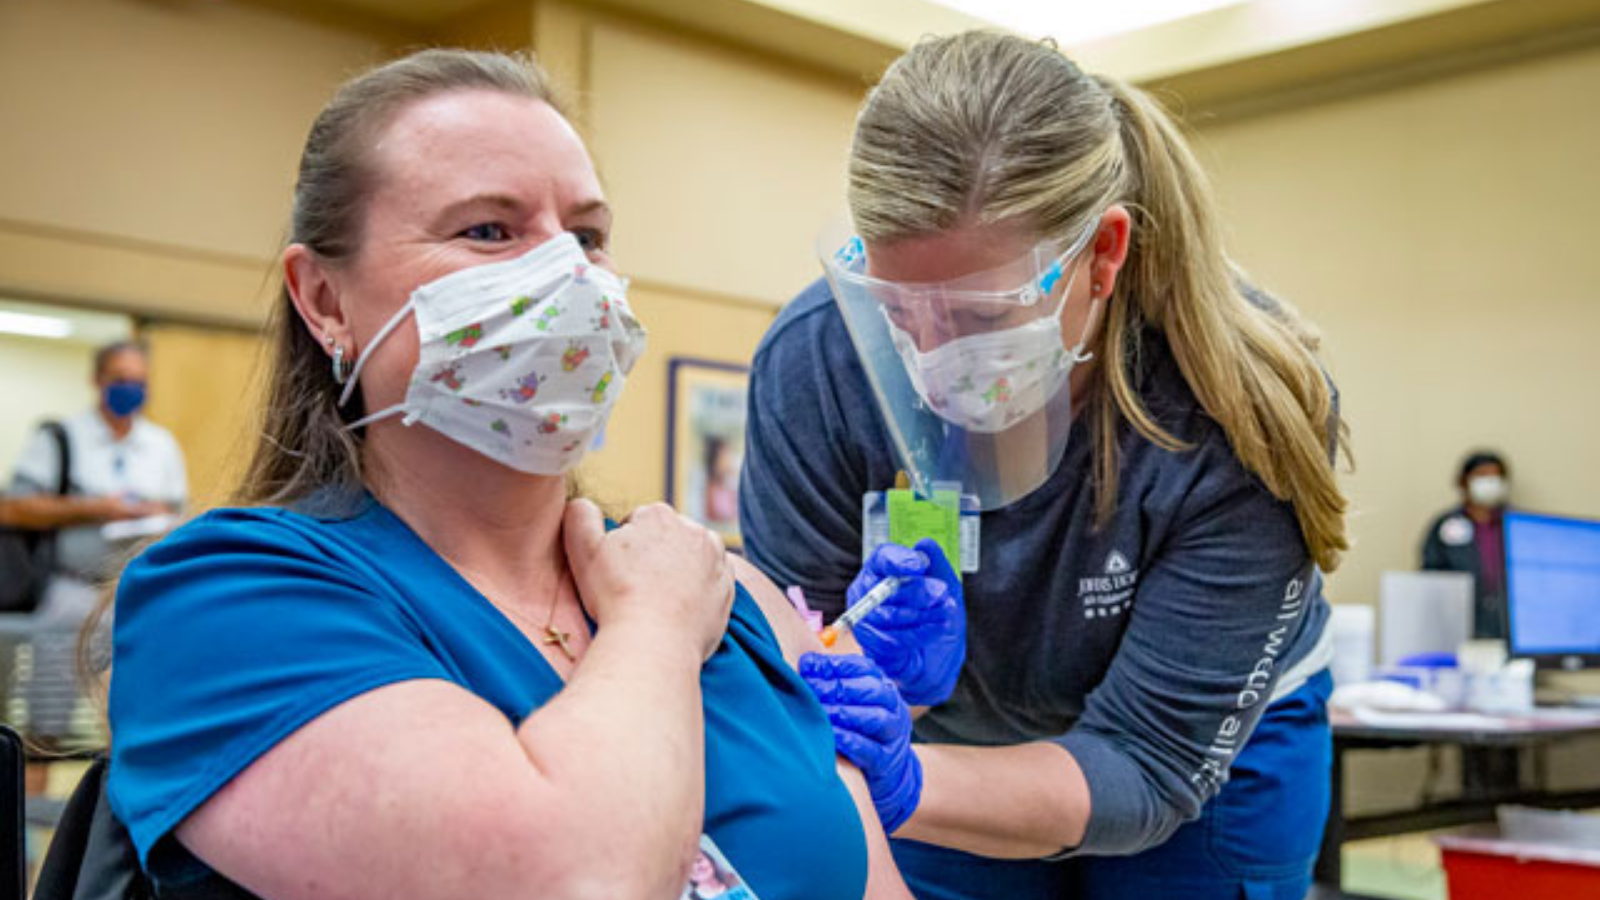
245,624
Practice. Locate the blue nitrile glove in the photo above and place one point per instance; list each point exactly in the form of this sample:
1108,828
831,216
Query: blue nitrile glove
871,728
919,635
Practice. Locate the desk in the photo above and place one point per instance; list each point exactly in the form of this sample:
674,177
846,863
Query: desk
1484,782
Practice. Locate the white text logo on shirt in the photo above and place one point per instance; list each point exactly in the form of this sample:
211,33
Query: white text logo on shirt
1110,594
1257,687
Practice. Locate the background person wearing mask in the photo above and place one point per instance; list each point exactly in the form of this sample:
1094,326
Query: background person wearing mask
120,466
1039,302
1470,538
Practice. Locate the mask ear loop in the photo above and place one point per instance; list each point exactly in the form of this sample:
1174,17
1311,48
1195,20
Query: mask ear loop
1096,301
1078,355
361,360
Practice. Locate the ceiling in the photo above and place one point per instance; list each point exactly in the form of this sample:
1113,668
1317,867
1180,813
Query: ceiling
412,12
1241,54
77,326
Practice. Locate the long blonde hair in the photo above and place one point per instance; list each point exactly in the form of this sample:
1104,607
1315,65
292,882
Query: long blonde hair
983,128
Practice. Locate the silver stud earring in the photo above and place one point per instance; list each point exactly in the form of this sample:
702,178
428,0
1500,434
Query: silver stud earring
1094,291
341,366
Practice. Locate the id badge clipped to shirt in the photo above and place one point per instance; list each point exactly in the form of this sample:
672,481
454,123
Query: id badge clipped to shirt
902,516
711,875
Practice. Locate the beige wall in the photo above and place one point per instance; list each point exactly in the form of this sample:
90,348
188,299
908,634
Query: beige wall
722,166
206,387
146,162
149,148
44,379
1442,234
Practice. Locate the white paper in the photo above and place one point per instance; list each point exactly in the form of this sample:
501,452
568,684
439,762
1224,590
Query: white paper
129,529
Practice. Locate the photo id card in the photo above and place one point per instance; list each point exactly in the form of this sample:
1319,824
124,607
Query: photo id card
900,516
712,875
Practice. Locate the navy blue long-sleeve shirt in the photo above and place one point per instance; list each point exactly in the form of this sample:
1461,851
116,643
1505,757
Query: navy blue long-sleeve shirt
1147,648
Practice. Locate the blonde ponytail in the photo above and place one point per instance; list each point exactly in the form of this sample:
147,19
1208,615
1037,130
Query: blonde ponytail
1251,367
983,127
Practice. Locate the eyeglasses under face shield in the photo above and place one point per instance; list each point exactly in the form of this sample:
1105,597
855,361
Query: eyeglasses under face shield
996,299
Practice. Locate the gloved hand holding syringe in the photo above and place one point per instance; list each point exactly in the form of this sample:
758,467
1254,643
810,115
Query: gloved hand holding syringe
905,611
859,610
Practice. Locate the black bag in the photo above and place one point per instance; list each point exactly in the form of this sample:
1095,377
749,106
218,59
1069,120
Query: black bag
27,557
91,856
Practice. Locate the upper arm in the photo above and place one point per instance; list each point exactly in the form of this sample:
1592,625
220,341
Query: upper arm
883,876
230,636
794,638
270,704
1213,615
353,794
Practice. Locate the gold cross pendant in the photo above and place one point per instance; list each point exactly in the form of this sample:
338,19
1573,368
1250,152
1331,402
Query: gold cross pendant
554,635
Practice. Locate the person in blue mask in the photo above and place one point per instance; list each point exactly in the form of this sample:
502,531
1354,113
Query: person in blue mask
120,466
410,662
1126,698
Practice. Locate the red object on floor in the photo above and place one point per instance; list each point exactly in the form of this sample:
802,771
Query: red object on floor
1485,868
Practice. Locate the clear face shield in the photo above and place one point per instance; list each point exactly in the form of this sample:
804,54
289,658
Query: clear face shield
971,374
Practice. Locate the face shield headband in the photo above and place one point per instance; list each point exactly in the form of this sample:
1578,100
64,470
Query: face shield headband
1034,276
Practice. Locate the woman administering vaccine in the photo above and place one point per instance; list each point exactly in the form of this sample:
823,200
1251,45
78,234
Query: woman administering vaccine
1036,305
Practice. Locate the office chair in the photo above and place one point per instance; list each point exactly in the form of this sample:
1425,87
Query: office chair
13,854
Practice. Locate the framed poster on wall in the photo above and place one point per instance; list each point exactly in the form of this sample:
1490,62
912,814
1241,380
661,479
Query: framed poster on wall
705,441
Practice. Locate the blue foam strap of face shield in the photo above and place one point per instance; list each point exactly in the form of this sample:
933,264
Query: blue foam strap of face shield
851,253
1051,277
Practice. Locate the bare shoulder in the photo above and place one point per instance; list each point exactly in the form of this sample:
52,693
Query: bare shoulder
793,636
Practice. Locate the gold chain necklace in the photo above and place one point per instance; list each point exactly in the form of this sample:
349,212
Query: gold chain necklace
552,635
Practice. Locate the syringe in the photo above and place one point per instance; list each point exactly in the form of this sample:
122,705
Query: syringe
874,598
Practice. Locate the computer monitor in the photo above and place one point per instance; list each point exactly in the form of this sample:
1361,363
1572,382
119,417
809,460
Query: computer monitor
1553,590
1421,613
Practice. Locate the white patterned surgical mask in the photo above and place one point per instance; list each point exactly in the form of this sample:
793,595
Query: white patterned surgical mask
989,382
520,360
